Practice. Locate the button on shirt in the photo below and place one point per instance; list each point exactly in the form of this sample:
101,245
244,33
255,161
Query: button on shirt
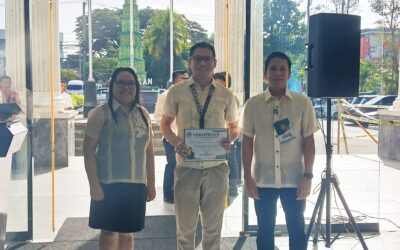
276,164
180,104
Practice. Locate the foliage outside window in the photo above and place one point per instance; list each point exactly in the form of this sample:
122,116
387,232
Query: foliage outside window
285,29
155,27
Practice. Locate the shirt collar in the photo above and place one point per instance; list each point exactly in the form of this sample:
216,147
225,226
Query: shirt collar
116,105
269,96
191,82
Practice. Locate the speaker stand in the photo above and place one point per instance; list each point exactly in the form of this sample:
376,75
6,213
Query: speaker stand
325,193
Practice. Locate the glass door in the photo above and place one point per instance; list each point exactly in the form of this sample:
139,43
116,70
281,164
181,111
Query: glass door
16,88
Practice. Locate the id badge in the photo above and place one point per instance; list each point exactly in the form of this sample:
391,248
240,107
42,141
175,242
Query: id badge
284,130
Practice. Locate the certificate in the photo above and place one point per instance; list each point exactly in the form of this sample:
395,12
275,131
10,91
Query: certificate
205,144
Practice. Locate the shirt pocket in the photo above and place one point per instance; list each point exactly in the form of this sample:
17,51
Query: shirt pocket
216,112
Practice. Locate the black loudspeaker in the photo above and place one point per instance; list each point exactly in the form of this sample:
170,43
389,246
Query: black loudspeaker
333,55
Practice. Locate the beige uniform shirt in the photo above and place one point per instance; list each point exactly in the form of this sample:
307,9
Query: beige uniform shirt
121,150
158,111
180,104
67,100
276,164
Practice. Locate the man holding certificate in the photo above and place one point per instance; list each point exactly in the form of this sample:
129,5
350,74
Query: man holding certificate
207,121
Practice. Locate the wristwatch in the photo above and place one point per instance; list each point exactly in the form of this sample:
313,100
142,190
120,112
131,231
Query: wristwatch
308,175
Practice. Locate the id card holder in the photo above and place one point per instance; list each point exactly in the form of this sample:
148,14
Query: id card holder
284,130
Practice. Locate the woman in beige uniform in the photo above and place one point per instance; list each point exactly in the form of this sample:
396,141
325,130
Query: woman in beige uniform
119,162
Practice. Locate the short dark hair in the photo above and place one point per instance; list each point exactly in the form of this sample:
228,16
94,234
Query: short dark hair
222,76
177,73
62,81
277,54
204,45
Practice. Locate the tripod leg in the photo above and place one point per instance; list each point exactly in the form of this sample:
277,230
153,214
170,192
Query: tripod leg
338,130
344,136
318,206
351,218
318,224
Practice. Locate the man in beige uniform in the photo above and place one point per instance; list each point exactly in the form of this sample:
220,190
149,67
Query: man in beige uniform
178,76
199,186
278,153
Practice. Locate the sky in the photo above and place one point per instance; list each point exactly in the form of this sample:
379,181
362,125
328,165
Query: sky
201,11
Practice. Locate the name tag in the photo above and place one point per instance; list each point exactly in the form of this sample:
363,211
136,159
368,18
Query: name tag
284,130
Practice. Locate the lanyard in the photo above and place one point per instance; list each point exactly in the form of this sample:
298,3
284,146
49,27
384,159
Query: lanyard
201,111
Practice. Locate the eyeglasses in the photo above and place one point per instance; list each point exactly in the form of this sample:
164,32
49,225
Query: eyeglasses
128,83
198,59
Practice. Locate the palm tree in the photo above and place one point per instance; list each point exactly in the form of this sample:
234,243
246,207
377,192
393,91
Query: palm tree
157,39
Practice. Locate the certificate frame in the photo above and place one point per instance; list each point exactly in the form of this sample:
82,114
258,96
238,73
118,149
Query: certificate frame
205,144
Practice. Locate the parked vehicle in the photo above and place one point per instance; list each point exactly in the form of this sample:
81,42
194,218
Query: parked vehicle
319,105
369,112
149,99
101,95
75,87
362,99
384,100
321,109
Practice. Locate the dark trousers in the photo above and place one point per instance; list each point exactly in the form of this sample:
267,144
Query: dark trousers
238,146
234,164
266,217
169,170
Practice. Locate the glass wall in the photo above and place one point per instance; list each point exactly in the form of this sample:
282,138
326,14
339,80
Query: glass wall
12,64
285,28
355,161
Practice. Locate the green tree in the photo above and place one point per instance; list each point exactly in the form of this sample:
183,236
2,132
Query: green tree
389,76
145,15
73,61
284,28
370,76
345,6
106,29
390,11
103,68
197,32
157,43
68,74
106,35
336,6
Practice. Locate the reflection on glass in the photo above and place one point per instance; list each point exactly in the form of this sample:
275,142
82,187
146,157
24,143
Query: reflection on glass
285,29
13,91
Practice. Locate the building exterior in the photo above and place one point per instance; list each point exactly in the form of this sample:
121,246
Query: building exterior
374,42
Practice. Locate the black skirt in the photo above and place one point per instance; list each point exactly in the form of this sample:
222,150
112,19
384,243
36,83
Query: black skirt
122,210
